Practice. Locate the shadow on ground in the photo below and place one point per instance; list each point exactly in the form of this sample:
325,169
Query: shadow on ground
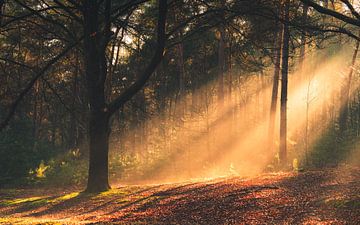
329,196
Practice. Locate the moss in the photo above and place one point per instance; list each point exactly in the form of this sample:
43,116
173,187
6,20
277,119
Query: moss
20,201
118,192
27,221
65,197
38,201
343,203
113,192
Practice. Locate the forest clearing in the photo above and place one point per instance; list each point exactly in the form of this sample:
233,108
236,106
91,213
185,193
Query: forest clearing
314,197
179,112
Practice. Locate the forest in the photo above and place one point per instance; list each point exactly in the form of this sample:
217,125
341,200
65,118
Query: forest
179,112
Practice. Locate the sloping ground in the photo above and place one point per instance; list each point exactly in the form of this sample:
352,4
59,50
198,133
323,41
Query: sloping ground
315,197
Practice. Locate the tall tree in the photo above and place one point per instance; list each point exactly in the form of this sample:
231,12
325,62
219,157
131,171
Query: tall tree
2,3
345,96
181,101
276,76
284,86
221,56
97,34
303,37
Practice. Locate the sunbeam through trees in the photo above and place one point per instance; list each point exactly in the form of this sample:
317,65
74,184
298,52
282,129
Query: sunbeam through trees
179,111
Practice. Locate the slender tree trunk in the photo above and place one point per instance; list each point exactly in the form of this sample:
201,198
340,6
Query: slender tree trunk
221,59
180,102
263,93
194,87
344,111
303,39
284,87
181,68
2,3
143,113
72,133
181,98
275,88
111,66
221,64
308,101
229,72
36,114
230,88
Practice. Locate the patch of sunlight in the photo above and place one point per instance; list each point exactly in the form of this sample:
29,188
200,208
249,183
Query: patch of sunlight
123,200
65,197
21,200
115,192
295,165
9,220
40,171
39,200
209,178
319,221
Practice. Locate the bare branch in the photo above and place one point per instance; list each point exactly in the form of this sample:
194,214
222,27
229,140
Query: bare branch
332,13
52,21
67,10
350,6
23,93
159,53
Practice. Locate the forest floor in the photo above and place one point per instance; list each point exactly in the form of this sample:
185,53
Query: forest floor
330,196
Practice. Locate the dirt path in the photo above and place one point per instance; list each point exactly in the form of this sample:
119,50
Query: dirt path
316,197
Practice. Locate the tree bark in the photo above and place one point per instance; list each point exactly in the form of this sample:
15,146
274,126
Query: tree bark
181,69
344,110
95,44
72,132
96,39
303,39
275,88
179,50
221,62
99,132
284,87
221,58
2,3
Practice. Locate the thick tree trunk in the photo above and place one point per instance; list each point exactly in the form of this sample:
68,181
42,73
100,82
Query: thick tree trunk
284,87
95,72
96,38
99,147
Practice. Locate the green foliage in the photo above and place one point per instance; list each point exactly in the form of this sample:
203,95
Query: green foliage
353,203
295,165
66,169
40,171
332,148
20,152
25,160
122,164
